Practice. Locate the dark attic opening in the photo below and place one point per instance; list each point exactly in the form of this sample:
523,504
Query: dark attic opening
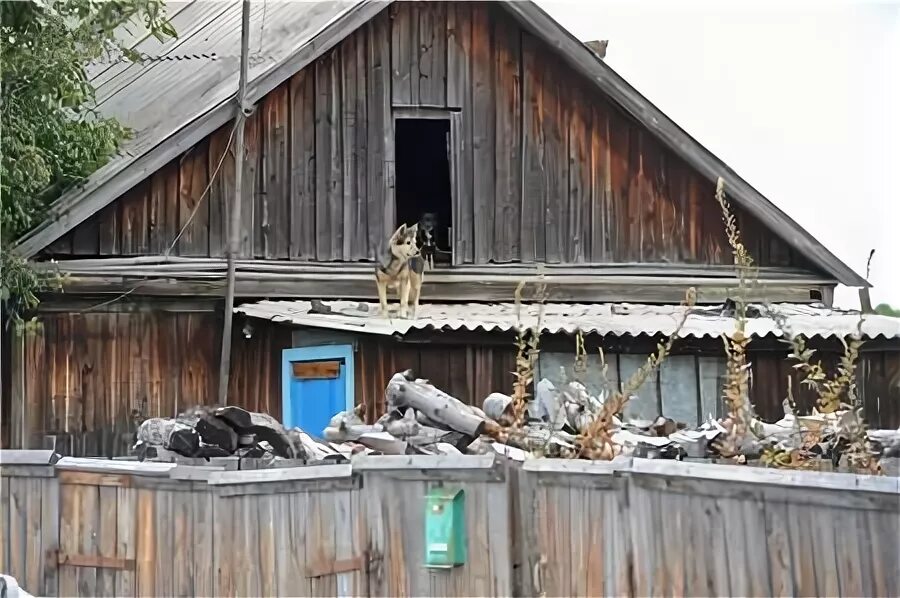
422,179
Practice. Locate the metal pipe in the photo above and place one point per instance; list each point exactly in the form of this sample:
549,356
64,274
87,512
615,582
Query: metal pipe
234,232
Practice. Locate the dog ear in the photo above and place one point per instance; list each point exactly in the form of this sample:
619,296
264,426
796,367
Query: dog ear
401,230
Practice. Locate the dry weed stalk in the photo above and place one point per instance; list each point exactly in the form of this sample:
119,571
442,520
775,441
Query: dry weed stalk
527,343
837,393
596,442
736,391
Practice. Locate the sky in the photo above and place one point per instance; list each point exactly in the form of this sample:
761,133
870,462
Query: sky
801,98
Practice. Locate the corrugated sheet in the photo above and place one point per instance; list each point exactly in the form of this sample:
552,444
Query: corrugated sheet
158,97
618,319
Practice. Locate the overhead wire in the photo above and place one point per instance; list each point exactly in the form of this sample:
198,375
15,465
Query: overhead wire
171,246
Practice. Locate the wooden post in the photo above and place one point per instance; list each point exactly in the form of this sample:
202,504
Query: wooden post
234,231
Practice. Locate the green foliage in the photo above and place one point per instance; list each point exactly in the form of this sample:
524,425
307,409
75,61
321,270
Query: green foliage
886,310
52,136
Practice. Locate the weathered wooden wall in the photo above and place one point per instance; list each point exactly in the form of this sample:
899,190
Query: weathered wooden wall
548,169
631,527
750,532
394,492
86,377
29,532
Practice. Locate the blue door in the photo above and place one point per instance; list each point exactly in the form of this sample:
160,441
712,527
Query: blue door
317,385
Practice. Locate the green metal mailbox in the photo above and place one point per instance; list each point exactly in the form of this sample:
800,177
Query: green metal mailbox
445,528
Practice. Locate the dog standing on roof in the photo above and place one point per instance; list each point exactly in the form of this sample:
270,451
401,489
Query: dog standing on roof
401,269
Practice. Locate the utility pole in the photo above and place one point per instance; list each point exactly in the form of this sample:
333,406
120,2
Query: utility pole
234,230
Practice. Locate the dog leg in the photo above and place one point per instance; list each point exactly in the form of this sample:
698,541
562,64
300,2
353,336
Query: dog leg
404,298
382,298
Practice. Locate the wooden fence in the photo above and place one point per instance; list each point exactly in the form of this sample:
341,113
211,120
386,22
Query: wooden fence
551,527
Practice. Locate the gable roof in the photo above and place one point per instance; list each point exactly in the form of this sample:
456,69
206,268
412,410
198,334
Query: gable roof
173,104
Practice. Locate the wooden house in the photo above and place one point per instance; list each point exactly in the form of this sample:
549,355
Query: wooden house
534,154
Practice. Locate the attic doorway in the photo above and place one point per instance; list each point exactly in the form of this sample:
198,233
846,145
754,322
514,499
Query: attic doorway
422,176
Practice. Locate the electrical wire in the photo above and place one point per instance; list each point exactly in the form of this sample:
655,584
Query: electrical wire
212,179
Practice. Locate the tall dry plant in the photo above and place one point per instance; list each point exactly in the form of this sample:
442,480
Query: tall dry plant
736,391
596,442
527,349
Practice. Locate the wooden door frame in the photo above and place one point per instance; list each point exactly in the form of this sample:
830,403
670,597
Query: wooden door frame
454,115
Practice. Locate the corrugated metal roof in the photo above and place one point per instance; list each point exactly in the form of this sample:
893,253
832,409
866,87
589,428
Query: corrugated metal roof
618,319
158,97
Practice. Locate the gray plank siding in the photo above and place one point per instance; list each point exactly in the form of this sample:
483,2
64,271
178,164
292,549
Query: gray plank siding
547,168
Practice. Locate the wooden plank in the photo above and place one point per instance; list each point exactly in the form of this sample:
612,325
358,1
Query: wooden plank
203,538
601,214
534,193
88,541
89,478
269,558
432,53
348,101
577,225
33,550
316,369
126,528
757,562
404,58
459,77
483,133
108,229
883,533
380,208
303,165
324,193
556,138
94,561
221,193
223,556
69,515
158,233
49,530
828,556
275,196
17,531
164,554
251,184
107,542
360,249
508,158
182,549
133,222
193,209
800,534
145,546
345,561
299,547
840,572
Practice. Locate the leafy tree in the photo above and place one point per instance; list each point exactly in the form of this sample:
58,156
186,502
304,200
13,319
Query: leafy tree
886,310
52,137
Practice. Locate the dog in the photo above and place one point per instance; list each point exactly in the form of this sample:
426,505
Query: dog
402,269
425,238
